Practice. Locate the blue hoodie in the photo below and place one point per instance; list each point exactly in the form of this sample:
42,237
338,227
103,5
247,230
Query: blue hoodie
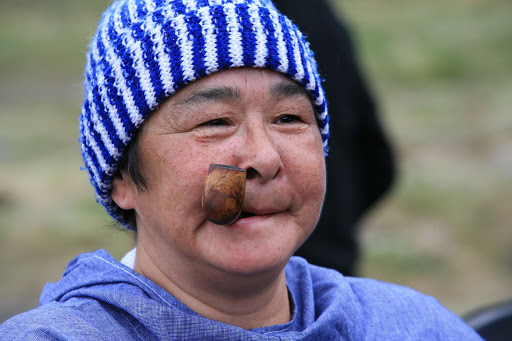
99,298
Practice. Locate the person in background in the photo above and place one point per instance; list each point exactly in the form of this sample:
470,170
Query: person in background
360,164
172,87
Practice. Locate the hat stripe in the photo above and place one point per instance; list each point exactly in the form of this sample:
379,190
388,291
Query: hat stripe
113,115
136,10
210,42
234,36
150,6
325,129
323,114
194,27
201,4
310,85
297,57
179,6
261,51
155,59
94,153
281,46
162,58
103,135
185,49
248,35
271,42
104,132
107,132
170,40
190,4
109,72
132,45
320,99
102,102
113,63
116,39
303,53
289,43
142,49
222,36
93,169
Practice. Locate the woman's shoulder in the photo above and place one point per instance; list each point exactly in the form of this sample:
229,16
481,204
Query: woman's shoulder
376,308
75,319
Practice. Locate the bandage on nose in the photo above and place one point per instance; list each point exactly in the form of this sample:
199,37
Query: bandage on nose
224,191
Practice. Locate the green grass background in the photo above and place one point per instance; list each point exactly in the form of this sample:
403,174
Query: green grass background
442,73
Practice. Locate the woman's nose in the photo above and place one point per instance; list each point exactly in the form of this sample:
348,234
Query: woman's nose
259,155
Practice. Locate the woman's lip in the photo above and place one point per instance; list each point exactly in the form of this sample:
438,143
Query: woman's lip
257,215
248,214
250,220
262,211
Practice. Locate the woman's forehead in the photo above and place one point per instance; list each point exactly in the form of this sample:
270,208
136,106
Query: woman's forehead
233,83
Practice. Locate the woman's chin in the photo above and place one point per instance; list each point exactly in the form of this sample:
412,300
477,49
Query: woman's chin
254,262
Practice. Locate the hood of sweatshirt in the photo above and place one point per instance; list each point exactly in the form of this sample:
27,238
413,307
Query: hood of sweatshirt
98,276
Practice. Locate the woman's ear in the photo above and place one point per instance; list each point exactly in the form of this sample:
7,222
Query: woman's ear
123,192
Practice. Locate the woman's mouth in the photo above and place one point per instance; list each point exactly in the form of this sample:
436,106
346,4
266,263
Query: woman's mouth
224,195
244,214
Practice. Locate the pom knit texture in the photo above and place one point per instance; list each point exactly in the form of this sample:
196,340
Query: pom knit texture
146,50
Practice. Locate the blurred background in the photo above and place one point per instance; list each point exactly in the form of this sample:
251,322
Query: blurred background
442,74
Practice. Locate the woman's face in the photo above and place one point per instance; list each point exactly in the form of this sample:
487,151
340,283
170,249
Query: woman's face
255,119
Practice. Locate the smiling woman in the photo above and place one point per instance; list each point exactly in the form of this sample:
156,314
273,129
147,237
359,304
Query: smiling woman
284,197
173,87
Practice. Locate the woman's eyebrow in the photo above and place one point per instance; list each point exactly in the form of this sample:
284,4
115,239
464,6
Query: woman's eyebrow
288,89
214,94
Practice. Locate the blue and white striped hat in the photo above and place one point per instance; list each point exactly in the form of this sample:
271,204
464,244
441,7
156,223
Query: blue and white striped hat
146,50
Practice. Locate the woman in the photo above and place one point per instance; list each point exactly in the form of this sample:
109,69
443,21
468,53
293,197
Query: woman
172,87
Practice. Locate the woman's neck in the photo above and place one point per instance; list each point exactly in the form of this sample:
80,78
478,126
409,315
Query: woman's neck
249,302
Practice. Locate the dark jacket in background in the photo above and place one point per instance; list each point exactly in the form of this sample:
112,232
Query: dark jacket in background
360,164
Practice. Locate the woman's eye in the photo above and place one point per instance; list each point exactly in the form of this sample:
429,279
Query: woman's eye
288,119
218,122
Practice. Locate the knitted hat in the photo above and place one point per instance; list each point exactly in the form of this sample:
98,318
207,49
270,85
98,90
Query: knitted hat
146,50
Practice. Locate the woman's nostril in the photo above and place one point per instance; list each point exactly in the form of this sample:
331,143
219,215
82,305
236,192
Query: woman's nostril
251,173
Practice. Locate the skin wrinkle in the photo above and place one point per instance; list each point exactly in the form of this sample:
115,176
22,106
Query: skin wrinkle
223,93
